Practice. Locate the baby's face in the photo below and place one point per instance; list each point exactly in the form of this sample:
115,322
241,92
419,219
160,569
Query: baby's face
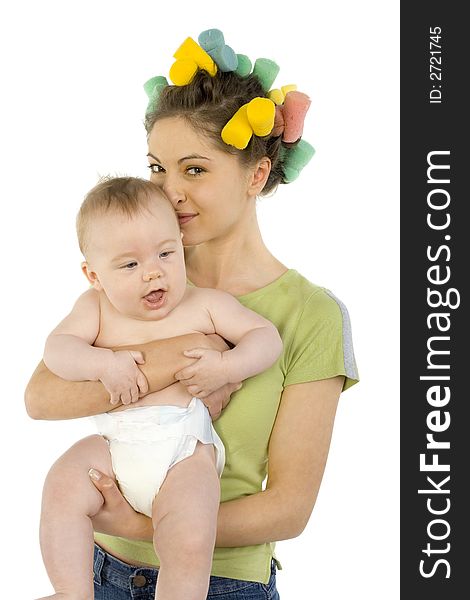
138,262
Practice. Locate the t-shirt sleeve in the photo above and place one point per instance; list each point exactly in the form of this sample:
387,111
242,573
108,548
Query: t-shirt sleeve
321,346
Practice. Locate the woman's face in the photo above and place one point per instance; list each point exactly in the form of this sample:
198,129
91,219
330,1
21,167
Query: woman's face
208,188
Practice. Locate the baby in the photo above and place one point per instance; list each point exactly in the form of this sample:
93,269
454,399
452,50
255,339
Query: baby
167,458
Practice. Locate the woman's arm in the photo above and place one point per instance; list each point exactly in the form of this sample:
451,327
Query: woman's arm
298,451
50,397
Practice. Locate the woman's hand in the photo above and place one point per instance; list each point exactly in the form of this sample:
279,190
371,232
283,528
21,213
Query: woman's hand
218,400
116,516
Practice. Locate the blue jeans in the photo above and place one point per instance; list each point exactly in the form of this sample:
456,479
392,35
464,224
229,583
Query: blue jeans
116,580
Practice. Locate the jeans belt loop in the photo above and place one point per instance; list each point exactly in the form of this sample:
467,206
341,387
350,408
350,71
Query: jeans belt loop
98,564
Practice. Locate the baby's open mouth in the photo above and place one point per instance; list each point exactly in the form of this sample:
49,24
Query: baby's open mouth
155,299
154,296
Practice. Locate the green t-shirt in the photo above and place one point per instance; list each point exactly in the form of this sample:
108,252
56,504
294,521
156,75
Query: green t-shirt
316,334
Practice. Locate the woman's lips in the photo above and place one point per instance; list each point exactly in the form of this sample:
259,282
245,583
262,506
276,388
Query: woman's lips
185,217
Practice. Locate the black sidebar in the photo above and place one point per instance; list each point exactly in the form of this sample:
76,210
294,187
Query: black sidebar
435,320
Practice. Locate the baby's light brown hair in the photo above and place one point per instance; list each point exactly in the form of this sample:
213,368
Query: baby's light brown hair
115,195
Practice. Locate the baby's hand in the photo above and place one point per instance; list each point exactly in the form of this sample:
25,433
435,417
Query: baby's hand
206,375
122,377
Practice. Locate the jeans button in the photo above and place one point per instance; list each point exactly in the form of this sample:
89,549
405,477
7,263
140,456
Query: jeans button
139,581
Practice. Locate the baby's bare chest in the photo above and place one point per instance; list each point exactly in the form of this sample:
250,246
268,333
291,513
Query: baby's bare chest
119,330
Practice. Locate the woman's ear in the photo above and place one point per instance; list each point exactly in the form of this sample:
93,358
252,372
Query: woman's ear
259,176
91,276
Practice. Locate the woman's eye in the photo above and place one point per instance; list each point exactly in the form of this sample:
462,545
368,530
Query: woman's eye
155,168
194,170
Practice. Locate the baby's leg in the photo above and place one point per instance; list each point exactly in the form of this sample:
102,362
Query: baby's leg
66,533
185,520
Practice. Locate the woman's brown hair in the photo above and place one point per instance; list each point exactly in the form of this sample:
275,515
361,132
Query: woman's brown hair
207,103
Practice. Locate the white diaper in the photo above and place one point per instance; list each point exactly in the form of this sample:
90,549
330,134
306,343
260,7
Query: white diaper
147,441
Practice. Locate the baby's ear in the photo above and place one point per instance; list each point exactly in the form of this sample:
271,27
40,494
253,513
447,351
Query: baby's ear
91,276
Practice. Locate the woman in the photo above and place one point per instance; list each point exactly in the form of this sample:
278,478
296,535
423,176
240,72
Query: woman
279,424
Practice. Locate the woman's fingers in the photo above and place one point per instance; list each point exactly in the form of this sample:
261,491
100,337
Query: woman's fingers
219,399
116,516
107,487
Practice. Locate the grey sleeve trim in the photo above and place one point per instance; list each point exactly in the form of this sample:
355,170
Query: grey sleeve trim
348,350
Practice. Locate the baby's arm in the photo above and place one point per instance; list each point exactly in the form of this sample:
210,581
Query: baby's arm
257,346
69,353
48,396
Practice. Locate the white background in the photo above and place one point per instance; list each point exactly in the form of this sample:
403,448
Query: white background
72,108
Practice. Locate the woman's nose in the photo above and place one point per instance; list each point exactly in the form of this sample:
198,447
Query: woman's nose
174,191
150,276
